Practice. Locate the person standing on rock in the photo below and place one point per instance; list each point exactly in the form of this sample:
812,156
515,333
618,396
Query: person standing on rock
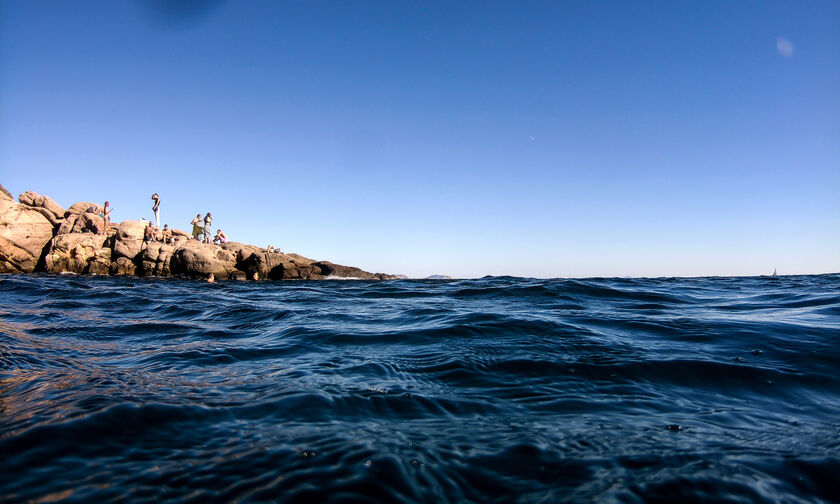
156,208
106,215
207,221
196,224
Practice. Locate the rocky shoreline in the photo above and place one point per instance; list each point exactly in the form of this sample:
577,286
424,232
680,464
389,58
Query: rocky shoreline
39,235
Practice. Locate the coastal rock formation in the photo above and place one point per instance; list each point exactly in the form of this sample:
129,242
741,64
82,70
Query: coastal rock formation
44,204
78,253
129,239
156,258
122,266
196,259
24,232
329,269
37,234
82,207
5,194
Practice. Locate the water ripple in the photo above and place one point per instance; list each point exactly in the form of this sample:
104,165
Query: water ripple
491,390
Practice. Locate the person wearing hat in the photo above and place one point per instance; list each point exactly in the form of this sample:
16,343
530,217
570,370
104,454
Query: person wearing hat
156,208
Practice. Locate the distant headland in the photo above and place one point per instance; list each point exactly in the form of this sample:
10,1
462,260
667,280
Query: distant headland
38,235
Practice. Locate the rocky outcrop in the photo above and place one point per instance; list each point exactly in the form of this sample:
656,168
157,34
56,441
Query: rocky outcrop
5,194
329,269
196,259
129,239
43,204
24,232
38,234
78,253
123,266
156,259
82,207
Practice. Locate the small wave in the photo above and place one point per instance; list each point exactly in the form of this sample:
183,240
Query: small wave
498,389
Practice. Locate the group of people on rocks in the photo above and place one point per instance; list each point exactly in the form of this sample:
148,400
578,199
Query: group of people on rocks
201,230
153,232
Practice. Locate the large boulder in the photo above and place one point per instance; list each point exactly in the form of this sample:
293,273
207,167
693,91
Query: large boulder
123,266
33,199
101,263
93,223
196,259
77,253
267,266
5,194
241,250
24,233
276,266
82,207
129,239
73,223
156,259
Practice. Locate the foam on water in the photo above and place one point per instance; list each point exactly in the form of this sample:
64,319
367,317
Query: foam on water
491,390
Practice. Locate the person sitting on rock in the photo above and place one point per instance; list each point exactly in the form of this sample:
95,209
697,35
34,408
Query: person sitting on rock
149,232
197,227
156,208
207,221
220,237
167,234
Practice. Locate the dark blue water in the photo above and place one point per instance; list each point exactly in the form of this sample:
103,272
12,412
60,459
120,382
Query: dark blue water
491,390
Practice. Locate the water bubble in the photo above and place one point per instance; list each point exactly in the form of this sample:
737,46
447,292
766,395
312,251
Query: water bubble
368,462
674,427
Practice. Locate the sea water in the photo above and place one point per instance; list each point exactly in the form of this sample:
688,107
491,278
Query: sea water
490,390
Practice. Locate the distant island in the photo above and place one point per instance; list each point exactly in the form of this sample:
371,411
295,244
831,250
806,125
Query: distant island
38,235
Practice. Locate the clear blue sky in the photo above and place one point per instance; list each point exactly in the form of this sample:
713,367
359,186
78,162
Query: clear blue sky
548,139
